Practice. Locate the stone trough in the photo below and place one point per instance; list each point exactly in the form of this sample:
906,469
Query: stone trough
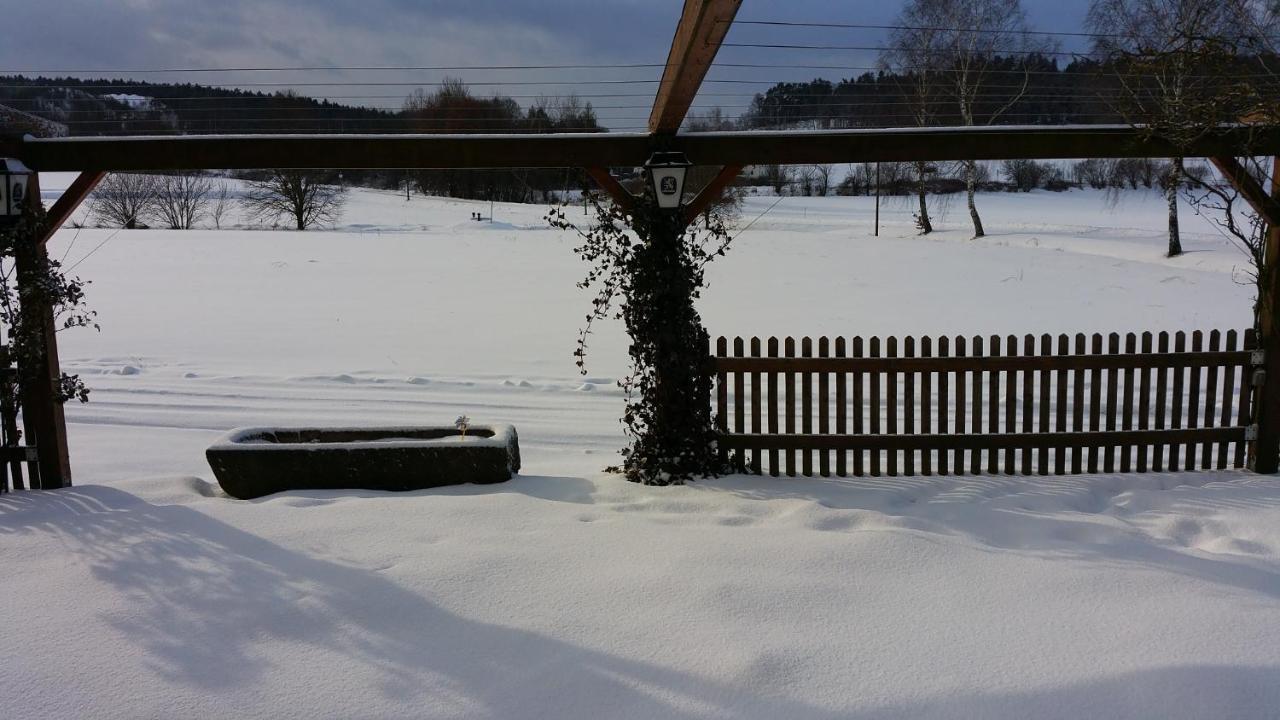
253,462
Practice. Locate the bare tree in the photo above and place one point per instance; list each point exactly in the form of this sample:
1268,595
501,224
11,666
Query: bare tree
124,199
181,200
1171,59
777,177
913,55
302,196
220,202
822,178
979,33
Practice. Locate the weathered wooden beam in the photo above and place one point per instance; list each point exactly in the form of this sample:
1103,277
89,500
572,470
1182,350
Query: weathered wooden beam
43,418
612,187
336,152
1264,451
1250,189
201,152
711,192
67,203
960,143
703,26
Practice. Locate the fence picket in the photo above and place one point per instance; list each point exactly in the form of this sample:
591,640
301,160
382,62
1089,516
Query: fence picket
891,404
1077,407
1010,403
1244,418
873,408
1060,411
1045,379
806,407
1144,401
1228,395
789,380
1162,391
1193,402
739,399
1095,399
824,405
1028,401
842,409
722,398
772,382
944,401
1175,450
858,408
926,405
755,407
957,463
1210,401
1113,383
1126,410
975,395
909,406
993,404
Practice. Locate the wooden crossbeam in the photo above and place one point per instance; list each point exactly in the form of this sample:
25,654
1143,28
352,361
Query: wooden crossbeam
711,192
611,186
1250,189
703,26
338,152
67,203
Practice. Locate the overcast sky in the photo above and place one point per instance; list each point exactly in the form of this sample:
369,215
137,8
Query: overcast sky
85,35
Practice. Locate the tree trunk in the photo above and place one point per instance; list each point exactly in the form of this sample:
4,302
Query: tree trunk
1171,193
971,186
922,220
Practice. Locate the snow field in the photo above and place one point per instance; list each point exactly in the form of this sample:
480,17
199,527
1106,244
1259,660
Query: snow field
566,592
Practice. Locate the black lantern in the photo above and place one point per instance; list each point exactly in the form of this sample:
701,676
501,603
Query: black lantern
666,173
15,179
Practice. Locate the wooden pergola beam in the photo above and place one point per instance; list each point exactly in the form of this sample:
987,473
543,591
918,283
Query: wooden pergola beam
709,194
1250,189
703,26
612,187
67,203
337,152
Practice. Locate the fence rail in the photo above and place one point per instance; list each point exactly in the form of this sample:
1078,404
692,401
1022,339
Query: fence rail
1002,404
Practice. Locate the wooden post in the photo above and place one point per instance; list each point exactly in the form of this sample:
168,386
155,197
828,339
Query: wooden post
877,200
1265,451
46,427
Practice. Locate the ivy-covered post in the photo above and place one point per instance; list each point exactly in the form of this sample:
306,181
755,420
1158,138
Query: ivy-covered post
679,436
647,265
44,423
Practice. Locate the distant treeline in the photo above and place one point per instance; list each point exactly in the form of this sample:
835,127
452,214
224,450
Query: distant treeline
1030,90
116,107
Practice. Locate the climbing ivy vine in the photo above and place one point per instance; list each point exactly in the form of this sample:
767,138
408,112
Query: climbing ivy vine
647,269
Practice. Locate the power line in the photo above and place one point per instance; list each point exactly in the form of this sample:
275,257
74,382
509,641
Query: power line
856,26
338,68
932,28
874,48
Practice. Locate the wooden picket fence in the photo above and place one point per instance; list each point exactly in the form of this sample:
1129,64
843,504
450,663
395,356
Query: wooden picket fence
12,452
954,406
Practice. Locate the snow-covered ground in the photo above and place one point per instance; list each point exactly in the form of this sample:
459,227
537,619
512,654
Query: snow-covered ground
143,592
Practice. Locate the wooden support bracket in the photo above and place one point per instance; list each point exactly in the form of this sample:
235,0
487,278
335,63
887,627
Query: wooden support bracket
610,185
1250,189
61,209
711,192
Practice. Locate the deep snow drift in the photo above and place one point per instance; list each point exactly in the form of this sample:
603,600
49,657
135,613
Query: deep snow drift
566,592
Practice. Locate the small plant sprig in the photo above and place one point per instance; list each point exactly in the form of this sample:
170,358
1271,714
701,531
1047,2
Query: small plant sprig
462,423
